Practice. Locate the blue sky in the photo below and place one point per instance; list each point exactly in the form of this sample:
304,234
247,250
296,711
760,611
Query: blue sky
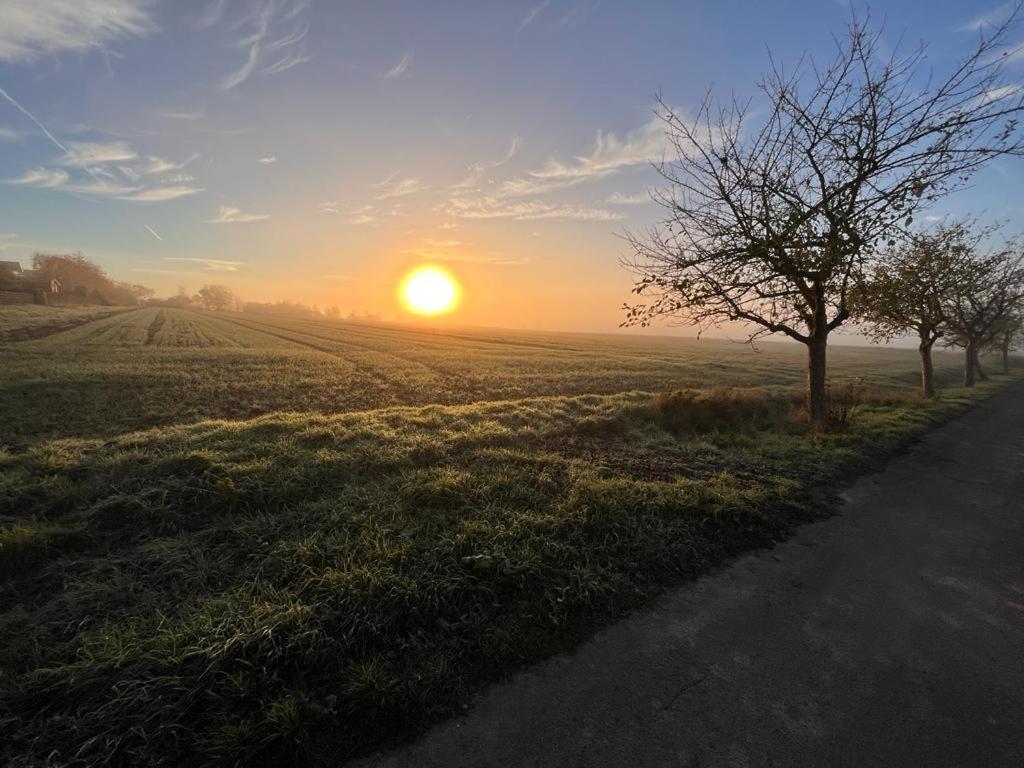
317,150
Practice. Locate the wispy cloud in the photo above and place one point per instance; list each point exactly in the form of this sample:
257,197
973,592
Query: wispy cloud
476,171
183,114
608,155
531,15
152,271
102,188
269,160
158,165
41,177
213,265
87,154
998,94
229,214
392,187
274,43
996,16
34,28
492,207
160,194
9,134
113,170
398,70
356,215
211,14
617,198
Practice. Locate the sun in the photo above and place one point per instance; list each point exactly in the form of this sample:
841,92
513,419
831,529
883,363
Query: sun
429,290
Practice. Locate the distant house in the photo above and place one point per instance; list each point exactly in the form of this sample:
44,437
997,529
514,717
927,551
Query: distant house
25,286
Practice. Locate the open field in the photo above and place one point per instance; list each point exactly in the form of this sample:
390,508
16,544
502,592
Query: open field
154,367
403,516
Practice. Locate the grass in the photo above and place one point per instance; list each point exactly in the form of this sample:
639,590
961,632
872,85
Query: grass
298,587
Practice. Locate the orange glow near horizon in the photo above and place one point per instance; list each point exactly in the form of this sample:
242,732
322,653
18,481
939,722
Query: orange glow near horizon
429,290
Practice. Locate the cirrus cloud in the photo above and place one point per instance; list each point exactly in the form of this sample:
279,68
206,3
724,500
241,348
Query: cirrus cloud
401,68
113,170
230,214
491,207
395,187
609,154
41,177
34,28
213,265
159,194
274,43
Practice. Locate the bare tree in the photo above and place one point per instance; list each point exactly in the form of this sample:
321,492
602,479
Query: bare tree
769,224
909,290
1008,336
984,302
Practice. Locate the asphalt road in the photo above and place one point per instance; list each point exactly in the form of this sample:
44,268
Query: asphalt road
889,635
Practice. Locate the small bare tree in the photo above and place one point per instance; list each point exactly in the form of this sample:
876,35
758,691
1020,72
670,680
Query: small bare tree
983,303
771,224
909,290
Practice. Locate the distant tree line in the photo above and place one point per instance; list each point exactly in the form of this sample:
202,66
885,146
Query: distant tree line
83,282
803,220
220,298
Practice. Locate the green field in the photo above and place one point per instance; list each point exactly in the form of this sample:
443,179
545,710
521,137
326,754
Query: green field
154,367
230,539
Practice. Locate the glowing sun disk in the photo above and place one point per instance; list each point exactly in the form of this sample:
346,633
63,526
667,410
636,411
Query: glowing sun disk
429,290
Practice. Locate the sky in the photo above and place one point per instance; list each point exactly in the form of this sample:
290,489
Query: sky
318,150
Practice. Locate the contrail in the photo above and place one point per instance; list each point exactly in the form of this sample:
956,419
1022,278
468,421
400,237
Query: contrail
154,234
32,117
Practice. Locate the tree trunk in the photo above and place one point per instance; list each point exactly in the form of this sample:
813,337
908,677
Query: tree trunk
817,382
969,365
1006,356
982,376
927,369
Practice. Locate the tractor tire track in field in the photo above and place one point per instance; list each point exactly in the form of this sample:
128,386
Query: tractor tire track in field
155,326
334,340
41,331
443,378
375,376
